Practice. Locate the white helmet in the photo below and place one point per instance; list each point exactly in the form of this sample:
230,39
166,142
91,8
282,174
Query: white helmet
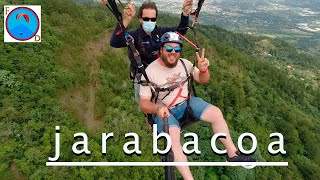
171,37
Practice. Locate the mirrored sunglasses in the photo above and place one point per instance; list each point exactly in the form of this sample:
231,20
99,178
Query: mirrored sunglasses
176,49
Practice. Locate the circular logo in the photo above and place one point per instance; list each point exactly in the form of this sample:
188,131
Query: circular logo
22,23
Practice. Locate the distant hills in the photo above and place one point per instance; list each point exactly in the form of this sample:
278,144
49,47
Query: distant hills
274,18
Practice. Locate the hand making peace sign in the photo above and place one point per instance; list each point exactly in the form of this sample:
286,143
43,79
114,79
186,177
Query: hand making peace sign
203,63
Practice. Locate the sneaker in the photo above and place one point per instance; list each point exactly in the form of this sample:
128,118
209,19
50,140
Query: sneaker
242,158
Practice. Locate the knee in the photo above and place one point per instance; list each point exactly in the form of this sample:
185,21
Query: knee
213,114
216,112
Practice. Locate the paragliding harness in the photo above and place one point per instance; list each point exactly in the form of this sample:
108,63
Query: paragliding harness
136,60
188,117
186,120
135,74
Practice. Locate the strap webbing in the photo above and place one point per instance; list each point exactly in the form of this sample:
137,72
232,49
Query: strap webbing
177,96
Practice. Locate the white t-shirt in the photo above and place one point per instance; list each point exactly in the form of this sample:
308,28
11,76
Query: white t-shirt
164,77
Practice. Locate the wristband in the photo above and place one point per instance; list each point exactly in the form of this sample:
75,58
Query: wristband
204,71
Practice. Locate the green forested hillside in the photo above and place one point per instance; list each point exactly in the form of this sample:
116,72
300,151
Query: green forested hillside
75,80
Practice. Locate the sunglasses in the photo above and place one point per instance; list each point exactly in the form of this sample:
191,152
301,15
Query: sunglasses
148,19
177,49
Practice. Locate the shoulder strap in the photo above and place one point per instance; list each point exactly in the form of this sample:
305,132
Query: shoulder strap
180,90
184,66
190,81
159,34
140,44
129,39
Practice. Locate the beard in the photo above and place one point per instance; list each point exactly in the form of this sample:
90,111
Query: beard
169,64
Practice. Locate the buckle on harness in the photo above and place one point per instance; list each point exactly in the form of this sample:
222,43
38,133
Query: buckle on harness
129,39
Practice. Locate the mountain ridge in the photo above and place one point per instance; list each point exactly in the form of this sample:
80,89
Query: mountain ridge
297,22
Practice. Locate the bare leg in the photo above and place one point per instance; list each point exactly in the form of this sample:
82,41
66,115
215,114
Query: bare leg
213,115
179,156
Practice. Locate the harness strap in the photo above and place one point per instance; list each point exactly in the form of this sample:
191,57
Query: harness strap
137,58
171,88
141,48
177,96
181,87
197,11
112,6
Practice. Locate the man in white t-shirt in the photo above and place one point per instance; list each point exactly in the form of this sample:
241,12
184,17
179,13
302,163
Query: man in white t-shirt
170,71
